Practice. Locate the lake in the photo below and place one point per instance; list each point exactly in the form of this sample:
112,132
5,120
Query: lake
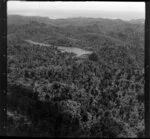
77,51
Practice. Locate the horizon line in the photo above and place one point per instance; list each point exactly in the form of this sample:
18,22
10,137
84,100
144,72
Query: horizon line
109,18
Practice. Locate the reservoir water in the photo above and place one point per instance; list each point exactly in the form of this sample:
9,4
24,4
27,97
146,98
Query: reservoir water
77,51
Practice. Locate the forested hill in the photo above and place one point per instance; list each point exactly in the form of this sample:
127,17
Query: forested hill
87,33
95,30
56,94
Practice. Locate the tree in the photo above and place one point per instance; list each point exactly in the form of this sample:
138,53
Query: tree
93,57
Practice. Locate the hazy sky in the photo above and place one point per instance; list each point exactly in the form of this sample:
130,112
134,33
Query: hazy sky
41,8
103,6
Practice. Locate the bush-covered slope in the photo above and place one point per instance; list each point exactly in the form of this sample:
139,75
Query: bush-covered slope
59,95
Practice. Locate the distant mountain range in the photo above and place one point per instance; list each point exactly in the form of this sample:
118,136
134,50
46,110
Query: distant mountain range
83,29
78,21
137,21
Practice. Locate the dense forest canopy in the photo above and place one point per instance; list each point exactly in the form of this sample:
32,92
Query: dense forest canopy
57,94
